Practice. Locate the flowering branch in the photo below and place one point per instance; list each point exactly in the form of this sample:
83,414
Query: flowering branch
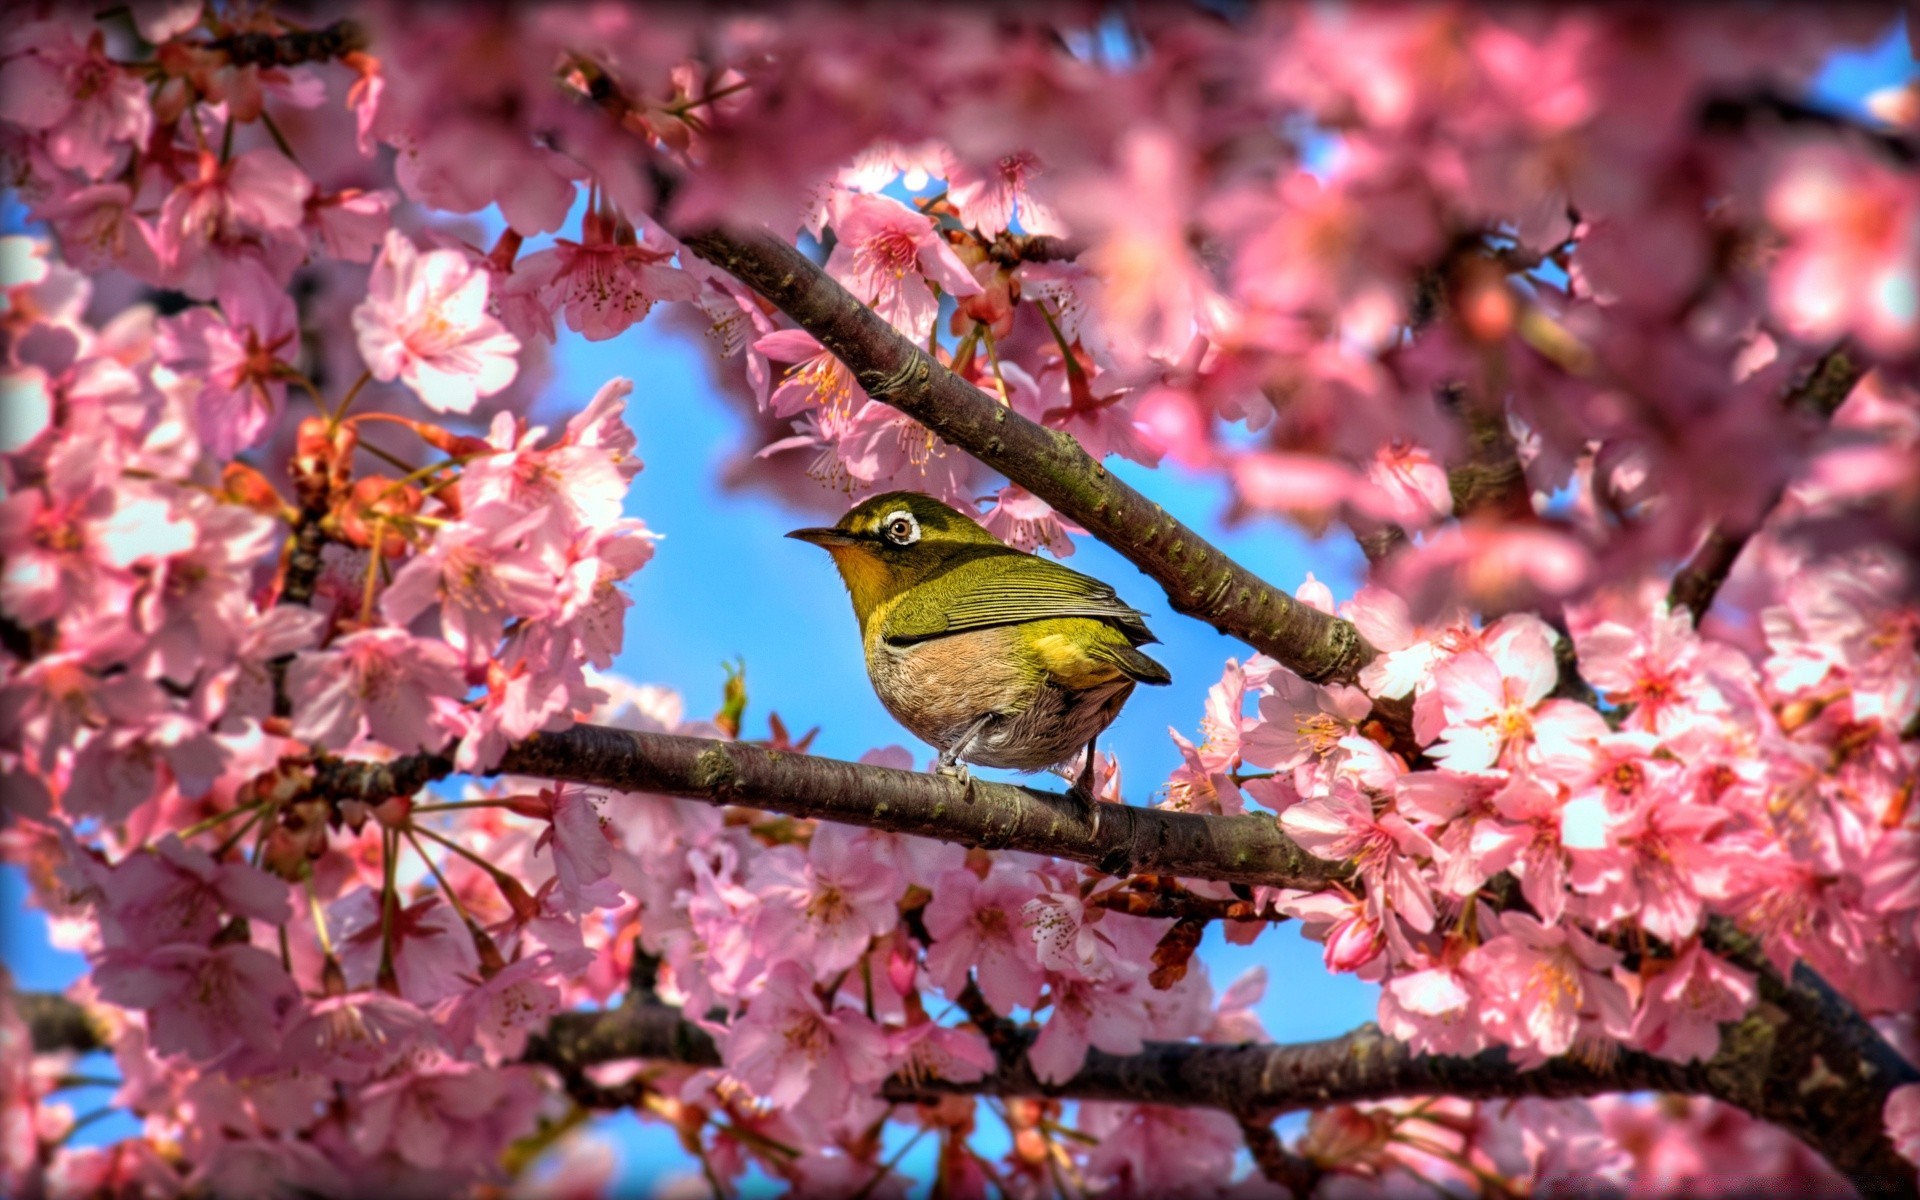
1118,839
1762,1067
1825,388
1199,579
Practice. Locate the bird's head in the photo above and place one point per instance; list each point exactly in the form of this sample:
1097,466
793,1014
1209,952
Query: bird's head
891,542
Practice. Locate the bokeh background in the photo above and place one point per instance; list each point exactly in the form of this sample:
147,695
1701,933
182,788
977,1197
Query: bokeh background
727,588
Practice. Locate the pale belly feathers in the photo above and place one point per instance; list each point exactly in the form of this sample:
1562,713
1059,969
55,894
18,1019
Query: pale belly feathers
940,687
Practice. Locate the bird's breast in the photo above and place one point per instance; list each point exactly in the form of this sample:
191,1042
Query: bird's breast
940,686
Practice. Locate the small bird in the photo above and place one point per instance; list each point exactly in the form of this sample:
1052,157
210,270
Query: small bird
991,655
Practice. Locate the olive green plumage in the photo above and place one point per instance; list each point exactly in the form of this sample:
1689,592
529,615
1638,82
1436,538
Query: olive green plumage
993,656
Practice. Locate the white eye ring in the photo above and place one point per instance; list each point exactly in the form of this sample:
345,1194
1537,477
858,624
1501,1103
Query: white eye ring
901,528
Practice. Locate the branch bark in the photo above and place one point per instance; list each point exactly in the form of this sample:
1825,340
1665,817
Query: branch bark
1818,396
1200,580
1757,1069
1118,839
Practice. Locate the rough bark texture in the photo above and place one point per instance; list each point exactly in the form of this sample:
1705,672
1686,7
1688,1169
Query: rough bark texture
1199,579
1118,839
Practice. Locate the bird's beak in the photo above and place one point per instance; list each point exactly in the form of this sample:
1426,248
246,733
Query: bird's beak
826,537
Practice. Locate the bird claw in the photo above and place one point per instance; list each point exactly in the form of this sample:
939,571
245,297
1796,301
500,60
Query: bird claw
953,768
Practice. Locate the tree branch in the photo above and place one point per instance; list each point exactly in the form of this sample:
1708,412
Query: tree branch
1118,839
293,47
1818,396
1757,1069
1200,580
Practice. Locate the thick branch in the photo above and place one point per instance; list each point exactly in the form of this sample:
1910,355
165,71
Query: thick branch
1836,1112
1118,839
1199,579
1818,396
293,47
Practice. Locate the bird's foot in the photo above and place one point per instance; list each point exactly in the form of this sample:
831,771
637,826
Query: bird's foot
950,765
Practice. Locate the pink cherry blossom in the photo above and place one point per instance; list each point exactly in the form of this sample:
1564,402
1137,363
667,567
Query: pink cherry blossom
202,1002
990,199
1853,230
1487,707
800,1056
1084,1015
446,1115
608,280
58,81
1543,986
888,256
424,322
1687,1003
974,926
1152,1150
1342,826
482,572
823,909
384,684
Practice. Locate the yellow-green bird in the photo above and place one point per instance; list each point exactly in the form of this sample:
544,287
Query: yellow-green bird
992,656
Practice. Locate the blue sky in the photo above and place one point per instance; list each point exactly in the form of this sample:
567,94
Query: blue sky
727,585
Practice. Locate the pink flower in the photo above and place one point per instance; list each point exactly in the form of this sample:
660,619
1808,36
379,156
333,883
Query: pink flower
380,683
888,255
1342,826
1542,986
425,323
500,1014
988,199
178,894
1085,1014
1408,653
1902,1119
1414,482
817,380
800,1057
1312,730
1234,1018
581,842
1685,1003
246,213
482,571
358,1036
66,90
825,908
1668,675
973,927
930,1051
1651,864
585,484
446,1114
1486,707
201,1002
432,953
1024,521
1433,1010
607,281
1151,1150
1852,225
240,357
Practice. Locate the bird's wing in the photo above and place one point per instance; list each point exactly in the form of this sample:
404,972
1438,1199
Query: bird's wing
1008,589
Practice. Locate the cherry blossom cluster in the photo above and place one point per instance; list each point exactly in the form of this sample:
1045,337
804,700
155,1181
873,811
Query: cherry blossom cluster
1774,793
1543,295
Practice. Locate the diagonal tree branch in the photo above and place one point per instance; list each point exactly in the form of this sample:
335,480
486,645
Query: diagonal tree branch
1818,396
1118,839
1200,580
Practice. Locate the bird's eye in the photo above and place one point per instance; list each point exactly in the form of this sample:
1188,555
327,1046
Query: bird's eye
902,529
